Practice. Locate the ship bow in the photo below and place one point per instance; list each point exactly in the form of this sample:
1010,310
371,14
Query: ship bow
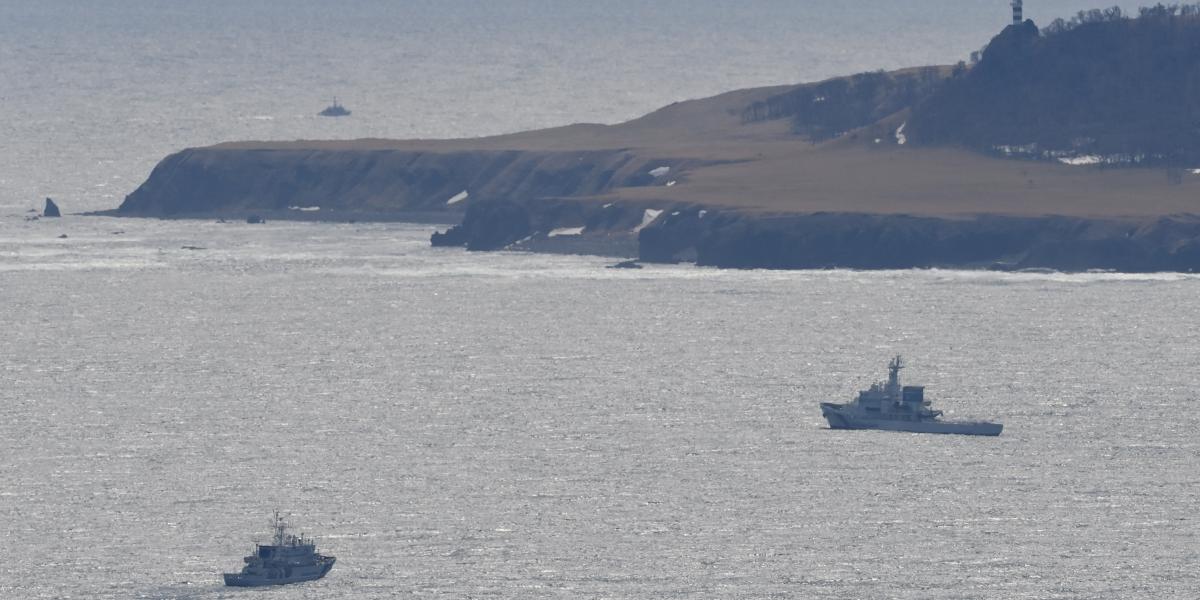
833,414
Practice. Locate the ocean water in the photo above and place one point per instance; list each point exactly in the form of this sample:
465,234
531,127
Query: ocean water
508,425
521,426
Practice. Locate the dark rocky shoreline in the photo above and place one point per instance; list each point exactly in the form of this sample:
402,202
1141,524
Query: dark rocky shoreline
442,218
515,205
732,239
857,241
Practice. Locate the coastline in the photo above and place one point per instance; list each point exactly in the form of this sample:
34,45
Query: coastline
325,215
699,182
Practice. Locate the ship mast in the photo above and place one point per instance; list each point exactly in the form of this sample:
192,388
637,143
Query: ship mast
893,384
279,526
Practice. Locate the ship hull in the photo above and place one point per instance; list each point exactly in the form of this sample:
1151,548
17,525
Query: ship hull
280,575
842,419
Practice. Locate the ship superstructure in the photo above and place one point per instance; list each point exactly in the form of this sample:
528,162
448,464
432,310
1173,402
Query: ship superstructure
888,405
335,110
287,559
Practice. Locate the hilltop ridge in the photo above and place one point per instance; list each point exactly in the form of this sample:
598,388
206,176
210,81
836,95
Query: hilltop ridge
1103,85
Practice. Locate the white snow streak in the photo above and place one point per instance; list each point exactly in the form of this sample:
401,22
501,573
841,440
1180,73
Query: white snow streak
648,217
566,231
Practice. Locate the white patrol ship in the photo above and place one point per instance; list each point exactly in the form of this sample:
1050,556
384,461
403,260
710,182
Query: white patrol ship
892,407
288,559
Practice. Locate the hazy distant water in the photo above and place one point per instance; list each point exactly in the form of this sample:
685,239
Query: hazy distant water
521,426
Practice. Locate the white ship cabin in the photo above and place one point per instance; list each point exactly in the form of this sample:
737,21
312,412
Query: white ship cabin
891,400
284,544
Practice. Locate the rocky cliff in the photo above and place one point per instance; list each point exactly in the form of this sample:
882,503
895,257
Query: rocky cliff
828,240
733,239
207,181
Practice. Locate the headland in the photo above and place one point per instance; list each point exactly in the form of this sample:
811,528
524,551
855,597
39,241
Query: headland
1028,158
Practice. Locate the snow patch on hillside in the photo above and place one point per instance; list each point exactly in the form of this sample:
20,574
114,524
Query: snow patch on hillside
648,217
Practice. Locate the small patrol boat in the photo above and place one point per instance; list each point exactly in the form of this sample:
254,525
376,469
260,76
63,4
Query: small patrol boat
334,110
287,559
893,407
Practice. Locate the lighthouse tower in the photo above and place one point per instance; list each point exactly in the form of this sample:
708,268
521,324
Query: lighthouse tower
1017,17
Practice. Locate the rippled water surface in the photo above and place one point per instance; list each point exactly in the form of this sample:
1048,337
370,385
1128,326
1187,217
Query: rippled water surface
518,426
455,425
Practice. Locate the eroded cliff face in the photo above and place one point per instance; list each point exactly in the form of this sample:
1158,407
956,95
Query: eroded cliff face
550,225
733,239
209,181
859,241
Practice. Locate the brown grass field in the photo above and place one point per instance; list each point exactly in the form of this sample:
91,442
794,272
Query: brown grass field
762,167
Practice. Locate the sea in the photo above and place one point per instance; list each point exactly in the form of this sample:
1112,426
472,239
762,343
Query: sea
512,425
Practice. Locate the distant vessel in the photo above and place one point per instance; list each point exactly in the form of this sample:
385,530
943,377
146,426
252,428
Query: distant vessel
334,110
626,264
892,407
288,559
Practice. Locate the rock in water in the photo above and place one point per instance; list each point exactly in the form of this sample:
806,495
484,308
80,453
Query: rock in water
488,226
51,209
255,220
